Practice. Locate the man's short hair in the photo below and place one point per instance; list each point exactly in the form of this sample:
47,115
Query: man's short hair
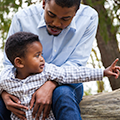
67,3
16,45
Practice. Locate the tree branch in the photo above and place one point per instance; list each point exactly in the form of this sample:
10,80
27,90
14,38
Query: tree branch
103,106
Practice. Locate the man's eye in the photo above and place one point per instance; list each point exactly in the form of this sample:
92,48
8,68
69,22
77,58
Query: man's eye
50,14
65,19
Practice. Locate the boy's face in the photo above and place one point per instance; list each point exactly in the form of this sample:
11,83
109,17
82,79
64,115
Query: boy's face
33,60
56,17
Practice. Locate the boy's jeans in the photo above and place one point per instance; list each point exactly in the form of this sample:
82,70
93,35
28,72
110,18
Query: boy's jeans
65,105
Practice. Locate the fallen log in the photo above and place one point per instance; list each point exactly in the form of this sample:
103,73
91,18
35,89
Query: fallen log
103,106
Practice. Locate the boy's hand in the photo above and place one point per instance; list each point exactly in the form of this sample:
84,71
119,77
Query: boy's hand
112,70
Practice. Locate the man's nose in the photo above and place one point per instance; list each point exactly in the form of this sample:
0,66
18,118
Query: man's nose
57,22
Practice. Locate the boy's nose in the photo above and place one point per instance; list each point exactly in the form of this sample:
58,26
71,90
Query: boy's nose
41,58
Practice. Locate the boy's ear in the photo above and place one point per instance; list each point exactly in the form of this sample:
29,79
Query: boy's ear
43,4
18,62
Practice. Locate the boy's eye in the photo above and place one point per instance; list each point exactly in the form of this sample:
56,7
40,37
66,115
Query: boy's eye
37,55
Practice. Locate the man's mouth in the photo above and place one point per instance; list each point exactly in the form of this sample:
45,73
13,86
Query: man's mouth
54,30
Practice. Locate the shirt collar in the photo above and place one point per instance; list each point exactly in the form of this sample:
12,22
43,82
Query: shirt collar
13,73
72,24
43,24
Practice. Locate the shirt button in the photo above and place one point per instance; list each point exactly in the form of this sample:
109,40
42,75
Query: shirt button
25,95
55,50
13,76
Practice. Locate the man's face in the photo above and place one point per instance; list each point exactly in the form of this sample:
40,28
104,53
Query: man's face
56,17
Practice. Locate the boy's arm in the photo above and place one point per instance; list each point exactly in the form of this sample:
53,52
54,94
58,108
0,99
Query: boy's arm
71,74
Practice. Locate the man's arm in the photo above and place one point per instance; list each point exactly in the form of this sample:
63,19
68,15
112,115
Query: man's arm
14,106
85,37
44,102
15,27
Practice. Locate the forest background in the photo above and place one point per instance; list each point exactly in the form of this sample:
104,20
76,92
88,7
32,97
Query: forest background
106,47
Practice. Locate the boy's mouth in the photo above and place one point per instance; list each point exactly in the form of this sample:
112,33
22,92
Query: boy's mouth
42,66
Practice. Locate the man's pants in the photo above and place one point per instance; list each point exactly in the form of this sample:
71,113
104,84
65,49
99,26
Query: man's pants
65,105
66,99
4,113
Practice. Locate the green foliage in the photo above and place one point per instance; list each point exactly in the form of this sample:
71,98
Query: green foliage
100,85
7,9
88,92
107,16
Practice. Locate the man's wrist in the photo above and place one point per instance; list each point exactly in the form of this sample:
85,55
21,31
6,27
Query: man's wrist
52,84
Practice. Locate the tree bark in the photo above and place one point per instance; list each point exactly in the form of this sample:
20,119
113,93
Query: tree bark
106,38
103,106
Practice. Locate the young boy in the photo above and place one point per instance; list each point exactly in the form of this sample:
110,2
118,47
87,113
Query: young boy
30,71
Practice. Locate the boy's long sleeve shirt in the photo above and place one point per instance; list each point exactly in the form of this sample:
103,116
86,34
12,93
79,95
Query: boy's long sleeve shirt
24,89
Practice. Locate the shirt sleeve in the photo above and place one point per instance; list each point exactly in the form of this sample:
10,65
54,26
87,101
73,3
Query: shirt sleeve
73,74
15,27
81,53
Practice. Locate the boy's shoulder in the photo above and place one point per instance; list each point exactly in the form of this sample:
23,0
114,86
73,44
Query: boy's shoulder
7,72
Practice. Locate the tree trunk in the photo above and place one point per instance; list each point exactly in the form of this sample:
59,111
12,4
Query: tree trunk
106,38
103,106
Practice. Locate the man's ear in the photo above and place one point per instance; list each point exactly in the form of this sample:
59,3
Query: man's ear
18,62
43,4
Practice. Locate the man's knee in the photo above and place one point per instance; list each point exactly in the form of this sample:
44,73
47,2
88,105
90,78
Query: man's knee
68,91
62,92
65,105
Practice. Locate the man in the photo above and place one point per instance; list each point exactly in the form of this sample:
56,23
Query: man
66,31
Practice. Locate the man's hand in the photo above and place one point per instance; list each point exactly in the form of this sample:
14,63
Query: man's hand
112,70
43,100
13,104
